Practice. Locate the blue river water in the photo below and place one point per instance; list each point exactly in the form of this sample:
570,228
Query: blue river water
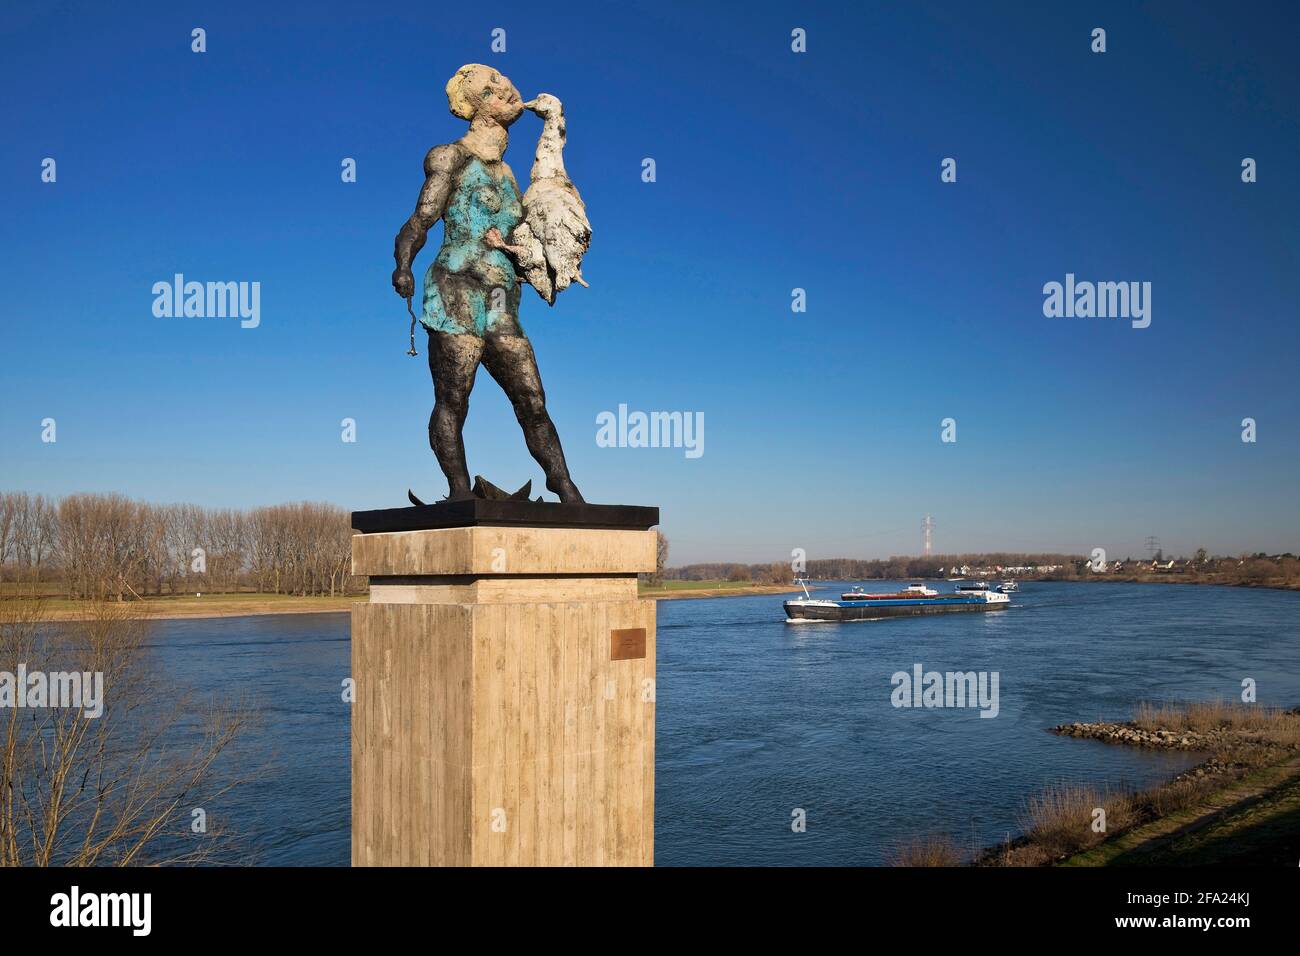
759,721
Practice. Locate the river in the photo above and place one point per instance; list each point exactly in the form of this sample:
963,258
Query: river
761,723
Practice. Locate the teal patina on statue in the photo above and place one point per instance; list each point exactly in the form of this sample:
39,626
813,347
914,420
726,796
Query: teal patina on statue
481,202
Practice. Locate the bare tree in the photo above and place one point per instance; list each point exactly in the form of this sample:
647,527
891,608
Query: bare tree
9,504
113,789
227,537
99,544
27,528
661,559
156,565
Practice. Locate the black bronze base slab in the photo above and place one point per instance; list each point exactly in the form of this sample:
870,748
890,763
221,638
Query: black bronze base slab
506,513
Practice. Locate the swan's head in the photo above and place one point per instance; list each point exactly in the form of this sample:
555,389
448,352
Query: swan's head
546,106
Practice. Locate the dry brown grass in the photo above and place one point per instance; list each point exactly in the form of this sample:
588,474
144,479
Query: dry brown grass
1057,823
1059,819
1270,724
1180,794
110,782
932,850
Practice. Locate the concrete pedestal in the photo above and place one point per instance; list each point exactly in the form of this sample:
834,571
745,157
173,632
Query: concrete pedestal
505,703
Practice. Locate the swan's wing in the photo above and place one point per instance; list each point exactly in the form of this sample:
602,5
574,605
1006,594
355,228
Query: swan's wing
565,232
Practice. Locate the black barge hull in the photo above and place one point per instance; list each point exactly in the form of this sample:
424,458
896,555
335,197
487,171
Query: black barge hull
815,612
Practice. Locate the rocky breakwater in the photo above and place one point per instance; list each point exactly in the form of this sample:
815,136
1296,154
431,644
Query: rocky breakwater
1133,735
1229,750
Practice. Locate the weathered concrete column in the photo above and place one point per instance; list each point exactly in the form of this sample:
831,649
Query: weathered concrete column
504,710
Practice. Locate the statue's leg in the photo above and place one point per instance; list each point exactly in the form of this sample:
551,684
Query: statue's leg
453,360
510,360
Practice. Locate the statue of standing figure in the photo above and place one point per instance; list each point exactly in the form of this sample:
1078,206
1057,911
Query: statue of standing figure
493,240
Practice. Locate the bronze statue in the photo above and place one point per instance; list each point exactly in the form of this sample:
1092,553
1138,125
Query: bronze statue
472,288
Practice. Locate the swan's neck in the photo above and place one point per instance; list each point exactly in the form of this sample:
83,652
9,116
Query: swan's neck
549,161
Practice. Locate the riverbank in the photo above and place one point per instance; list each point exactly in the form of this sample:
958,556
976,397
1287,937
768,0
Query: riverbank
1254,822
679,590
1271,584
216,605
1239,805
187,606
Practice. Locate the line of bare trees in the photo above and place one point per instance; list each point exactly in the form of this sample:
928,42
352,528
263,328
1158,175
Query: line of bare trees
108,545
1273,570
860,569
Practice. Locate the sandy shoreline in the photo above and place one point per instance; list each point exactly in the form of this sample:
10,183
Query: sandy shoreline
154,612
218,606
659,594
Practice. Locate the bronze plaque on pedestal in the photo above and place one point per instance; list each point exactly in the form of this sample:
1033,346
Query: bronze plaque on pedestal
627,644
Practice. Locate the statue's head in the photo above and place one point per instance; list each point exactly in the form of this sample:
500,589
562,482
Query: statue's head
478,90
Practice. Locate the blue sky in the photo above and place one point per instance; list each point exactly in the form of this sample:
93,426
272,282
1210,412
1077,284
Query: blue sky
775,170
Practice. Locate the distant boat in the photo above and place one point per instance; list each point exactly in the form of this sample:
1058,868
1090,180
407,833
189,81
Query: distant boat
858,605
1008,587
857,594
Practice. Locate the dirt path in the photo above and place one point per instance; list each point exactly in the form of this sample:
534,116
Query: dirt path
1254,821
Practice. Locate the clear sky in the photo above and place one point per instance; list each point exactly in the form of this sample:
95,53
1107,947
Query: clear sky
775,170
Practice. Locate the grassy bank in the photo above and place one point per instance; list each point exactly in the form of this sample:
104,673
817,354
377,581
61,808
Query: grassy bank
1240,805
167,607
1252,822
215,605
673,590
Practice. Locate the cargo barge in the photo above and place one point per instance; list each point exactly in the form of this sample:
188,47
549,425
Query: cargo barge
858,605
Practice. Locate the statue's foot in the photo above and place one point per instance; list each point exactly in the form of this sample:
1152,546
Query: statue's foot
567,491
415,500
